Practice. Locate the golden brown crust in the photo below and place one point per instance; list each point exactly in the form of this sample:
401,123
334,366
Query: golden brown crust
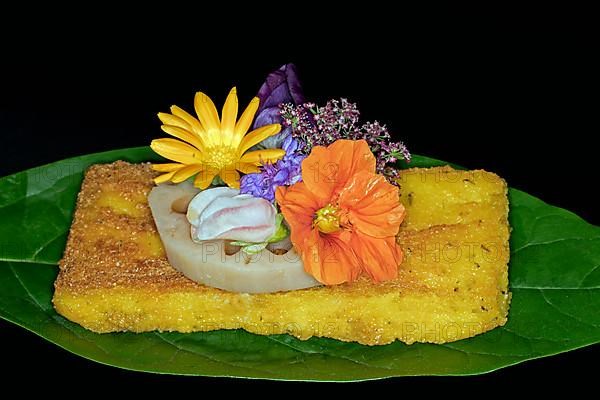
114,275
102,251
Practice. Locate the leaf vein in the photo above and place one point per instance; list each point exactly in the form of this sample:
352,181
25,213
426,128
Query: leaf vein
35,300
587,275
46,244
346,358
204,355
547,300
528,245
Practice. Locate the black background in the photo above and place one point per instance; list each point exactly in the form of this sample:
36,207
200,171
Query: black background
516,96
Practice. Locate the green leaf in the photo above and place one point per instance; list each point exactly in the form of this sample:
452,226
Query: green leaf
554,277
281,230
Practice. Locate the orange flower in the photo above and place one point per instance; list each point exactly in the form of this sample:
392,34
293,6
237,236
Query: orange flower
343,216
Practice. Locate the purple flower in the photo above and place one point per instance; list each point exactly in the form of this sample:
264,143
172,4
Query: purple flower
284,172
281,86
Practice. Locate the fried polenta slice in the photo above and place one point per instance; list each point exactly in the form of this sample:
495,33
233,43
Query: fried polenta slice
452,284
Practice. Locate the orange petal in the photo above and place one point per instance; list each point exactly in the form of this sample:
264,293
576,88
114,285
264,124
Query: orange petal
298,194
319,174
378,257
373,205
350,158
298,206
327,169
328,259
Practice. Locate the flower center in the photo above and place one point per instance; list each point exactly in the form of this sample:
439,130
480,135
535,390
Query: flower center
219,157
327,219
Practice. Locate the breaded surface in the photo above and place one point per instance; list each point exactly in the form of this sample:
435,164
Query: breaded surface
452,284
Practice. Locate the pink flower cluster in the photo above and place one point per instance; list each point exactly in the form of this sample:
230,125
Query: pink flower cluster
339,119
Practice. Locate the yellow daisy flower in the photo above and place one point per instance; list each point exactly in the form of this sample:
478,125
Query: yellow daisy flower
208,146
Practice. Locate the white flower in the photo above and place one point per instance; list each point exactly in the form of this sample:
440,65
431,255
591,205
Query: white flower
223,213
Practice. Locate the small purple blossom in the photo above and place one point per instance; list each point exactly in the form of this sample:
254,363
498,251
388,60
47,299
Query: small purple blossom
284,172
339,119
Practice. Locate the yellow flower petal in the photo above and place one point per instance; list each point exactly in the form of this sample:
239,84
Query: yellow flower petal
184,115
204,178
185,172
247,168
164,177
176,150
231,177
228,117
245,121
209,145
262,156
170,119
184,135
207,112
169,167
257,136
